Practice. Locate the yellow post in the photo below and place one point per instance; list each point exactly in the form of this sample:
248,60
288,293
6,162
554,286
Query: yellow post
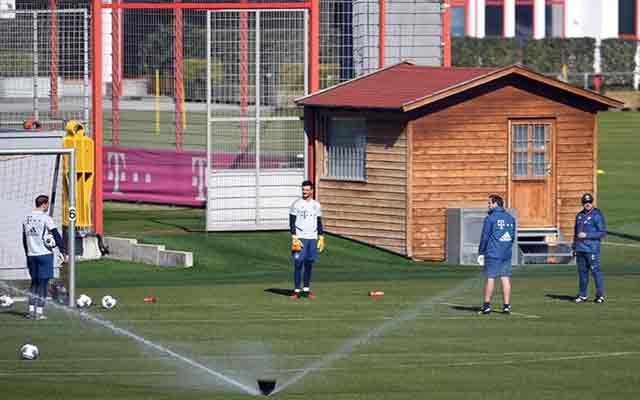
157,101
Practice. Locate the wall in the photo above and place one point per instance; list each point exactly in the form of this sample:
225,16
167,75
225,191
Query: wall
374,211
460,156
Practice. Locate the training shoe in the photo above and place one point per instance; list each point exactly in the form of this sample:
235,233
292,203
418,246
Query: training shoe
41,317
30,316
599,299
485,310
581,299
506,309
294,295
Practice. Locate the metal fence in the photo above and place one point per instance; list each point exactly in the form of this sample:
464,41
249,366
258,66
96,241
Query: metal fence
44,67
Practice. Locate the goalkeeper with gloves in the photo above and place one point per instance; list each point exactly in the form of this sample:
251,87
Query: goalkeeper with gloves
307,240
39,237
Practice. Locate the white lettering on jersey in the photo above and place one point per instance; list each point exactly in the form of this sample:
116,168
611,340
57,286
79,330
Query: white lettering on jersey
35,226
307,213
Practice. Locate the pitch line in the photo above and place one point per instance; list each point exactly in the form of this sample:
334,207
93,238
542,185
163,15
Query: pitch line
103,373
622,244
512,312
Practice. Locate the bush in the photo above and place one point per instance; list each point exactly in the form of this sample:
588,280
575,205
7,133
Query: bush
618,56
544,55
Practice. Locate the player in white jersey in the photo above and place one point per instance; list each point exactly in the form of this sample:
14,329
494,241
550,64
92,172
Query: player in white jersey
39,237
307,239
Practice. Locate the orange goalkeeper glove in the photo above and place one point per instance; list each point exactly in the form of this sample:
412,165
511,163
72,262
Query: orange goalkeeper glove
296,244
320,244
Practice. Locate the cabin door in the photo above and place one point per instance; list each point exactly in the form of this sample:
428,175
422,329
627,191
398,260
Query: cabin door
532,173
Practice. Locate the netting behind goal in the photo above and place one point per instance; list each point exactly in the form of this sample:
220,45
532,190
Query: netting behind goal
22,179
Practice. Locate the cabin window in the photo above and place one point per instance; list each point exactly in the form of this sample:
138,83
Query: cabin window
346,140
530,149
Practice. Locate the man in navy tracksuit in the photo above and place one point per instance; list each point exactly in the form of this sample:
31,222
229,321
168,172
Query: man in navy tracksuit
590,228
496,242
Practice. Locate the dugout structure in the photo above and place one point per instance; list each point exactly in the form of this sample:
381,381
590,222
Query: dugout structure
26,172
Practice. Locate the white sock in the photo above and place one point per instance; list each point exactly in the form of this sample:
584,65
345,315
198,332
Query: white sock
32,309
39,310
297,290
306,289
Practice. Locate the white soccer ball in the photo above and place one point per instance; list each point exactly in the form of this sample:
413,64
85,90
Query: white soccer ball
49,241
84,301
109,302
6,301
29,352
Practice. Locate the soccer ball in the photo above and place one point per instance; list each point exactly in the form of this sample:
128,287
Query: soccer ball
29,352
108,302
6,301
84,301
49,241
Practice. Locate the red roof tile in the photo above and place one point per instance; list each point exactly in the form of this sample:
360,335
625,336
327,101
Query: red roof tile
392,87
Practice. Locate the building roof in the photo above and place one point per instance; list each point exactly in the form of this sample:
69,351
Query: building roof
406,86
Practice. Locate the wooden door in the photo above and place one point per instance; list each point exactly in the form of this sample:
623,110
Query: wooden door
532,174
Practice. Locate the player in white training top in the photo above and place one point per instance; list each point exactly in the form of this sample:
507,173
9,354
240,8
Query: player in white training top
307,239
39,237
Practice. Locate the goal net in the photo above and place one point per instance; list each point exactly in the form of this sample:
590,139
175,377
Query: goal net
24,175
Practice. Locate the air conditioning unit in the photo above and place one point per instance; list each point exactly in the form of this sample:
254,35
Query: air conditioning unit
464,227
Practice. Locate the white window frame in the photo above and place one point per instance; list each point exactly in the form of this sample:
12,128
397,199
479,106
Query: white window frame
345,159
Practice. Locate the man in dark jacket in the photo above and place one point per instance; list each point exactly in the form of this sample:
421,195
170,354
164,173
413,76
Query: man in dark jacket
496,243
590,228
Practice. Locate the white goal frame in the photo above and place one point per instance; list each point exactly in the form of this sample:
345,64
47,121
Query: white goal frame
71,245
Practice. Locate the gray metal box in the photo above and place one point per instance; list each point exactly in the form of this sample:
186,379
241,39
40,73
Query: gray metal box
464,227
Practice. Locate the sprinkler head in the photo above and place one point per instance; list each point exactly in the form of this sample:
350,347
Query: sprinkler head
266,386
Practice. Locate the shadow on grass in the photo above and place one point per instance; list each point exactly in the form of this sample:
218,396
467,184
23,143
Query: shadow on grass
15,313
562,297
281,292
474,309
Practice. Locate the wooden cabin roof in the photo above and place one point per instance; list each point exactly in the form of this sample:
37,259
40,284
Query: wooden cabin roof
406,86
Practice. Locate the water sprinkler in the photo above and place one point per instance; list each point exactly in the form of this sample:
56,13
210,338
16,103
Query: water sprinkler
266,386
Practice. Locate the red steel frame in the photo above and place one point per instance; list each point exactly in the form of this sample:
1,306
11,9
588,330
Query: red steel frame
446,33
96,76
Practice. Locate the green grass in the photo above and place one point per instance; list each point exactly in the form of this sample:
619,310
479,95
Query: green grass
404,345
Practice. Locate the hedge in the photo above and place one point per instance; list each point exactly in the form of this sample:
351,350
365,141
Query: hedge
544,55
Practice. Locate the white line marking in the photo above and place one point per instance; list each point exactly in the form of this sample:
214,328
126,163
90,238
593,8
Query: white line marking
102,373
622,244
512,312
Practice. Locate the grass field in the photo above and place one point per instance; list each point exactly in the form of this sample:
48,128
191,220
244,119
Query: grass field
422,340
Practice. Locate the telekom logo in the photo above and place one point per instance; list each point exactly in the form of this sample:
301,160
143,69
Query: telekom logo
116,164
198,168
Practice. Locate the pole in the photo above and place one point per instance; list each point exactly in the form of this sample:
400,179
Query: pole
116,83
157,104
179,85
446,33
72,228
96,111
314,82
244,79
382,23
55,107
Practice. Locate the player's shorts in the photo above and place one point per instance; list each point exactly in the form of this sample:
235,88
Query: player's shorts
309,251
40,267
496,267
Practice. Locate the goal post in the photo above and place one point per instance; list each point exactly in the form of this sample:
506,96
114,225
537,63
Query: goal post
19,170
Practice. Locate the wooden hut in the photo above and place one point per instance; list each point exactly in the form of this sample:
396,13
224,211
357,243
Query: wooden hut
392,150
